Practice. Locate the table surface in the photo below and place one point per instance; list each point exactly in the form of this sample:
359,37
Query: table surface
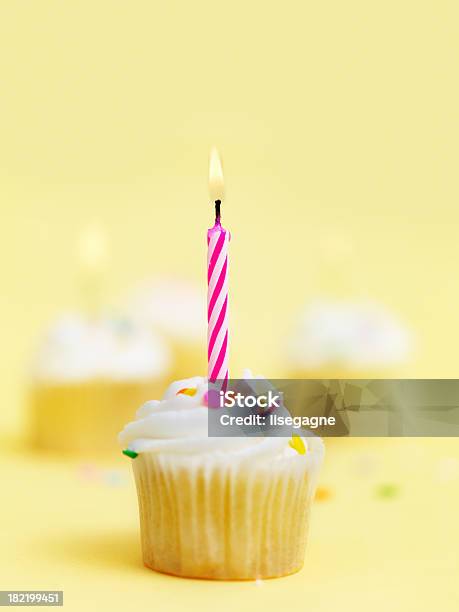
384,535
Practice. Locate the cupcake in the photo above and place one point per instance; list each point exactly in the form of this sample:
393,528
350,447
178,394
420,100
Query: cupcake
347,339
86,378
218,508
176,310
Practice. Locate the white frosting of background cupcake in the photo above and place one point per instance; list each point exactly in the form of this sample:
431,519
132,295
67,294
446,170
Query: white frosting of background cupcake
76,349
350,333
175,307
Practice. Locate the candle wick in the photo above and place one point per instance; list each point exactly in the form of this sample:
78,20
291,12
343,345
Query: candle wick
217,211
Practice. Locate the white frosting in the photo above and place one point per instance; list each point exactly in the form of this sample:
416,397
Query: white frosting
174,307
178,424
351,333
76,349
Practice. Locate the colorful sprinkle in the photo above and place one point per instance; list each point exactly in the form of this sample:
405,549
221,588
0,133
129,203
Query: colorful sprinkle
91,474
213,399
297,444
205,399
387,491
129,453
323,494
88,472
113,478
186,391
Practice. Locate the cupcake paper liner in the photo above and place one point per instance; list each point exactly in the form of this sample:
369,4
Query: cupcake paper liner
221,518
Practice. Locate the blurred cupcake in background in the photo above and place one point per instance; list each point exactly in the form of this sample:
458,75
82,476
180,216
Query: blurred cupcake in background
175,309
87,378
90,371
335,335
344,338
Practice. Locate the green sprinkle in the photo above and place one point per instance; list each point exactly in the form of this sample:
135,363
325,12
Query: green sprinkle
129,453
388,491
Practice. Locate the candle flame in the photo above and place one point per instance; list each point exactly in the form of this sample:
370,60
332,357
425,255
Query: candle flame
216,183
93,249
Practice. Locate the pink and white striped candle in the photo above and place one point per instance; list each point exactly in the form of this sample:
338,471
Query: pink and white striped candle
217,281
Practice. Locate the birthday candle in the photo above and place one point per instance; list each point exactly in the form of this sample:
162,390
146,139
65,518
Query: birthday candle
217,281
93,261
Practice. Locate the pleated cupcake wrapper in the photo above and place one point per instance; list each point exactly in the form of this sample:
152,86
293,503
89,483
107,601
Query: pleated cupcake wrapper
85,417
209,518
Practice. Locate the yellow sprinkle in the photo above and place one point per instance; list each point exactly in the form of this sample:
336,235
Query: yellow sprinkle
190,391
297,444
323,493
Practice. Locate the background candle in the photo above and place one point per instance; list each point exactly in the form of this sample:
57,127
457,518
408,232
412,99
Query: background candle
92,251
217,280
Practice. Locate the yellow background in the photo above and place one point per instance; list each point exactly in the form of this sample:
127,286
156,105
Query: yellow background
69,527
337,122
337,116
